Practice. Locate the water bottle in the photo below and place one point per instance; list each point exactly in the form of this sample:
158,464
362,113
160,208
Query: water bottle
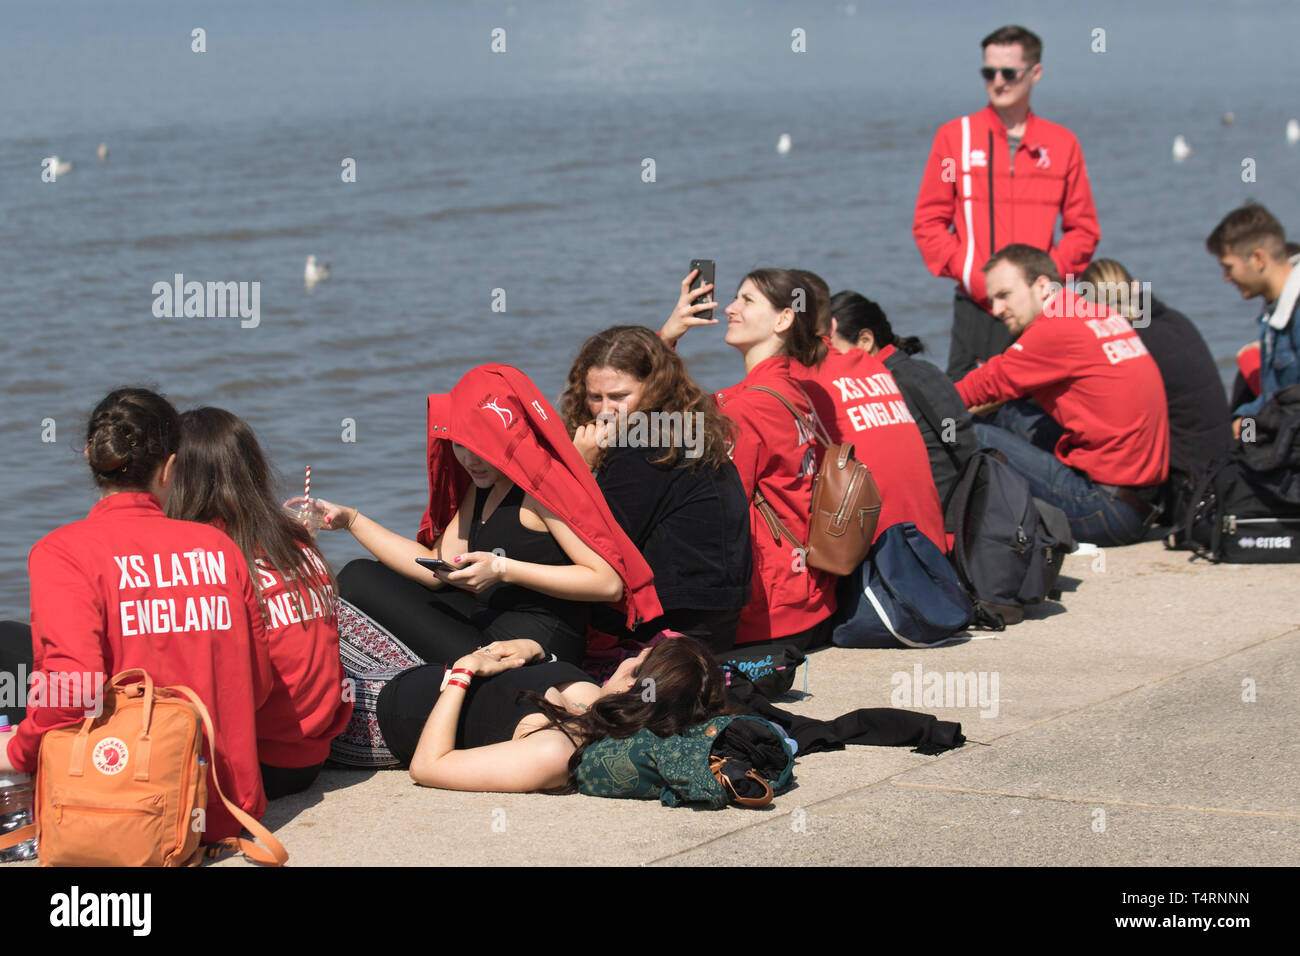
15,805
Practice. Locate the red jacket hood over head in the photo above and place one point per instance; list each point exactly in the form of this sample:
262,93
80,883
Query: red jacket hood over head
499,414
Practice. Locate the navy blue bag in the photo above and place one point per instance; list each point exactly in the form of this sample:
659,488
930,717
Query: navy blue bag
905,593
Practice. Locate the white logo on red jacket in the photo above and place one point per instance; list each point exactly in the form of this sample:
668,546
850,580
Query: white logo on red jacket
1041,159
977,158
503,412
109,756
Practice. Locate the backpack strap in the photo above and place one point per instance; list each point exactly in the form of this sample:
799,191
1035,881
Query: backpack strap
818,431
928,413
812,423
276,854
1208,481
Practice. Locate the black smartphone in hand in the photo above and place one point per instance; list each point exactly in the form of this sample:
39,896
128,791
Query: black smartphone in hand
435,564
707,269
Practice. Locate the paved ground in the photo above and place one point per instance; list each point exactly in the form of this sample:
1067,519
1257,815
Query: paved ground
1123,735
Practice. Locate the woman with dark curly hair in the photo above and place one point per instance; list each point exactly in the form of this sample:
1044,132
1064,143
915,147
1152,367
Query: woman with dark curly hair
658,445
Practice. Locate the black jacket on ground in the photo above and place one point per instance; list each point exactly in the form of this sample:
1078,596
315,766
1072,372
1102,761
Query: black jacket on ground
692,525
922,383
1199,425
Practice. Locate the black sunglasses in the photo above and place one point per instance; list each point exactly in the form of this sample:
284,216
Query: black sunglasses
1009,74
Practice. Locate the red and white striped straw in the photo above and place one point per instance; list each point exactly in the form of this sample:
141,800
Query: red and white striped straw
306,493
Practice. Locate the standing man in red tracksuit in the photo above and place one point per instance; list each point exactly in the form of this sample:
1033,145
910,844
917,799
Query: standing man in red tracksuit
1091,373
997,177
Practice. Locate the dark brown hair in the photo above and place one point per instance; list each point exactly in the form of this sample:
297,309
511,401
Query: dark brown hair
130,433
222,475
667,387
678,685
1028,40
821,301
1031,262
1246,229
782,288
855,313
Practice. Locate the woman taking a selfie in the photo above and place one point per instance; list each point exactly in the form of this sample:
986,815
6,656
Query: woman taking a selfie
773,453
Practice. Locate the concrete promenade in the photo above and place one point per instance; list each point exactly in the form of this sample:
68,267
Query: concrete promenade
1121,737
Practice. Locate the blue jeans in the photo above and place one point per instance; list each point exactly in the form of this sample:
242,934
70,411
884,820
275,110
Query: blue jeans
1027,419
1095,516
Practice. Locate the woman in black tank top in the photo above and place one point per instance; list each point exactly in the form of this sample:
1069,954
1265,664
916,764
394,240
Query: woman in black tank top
514,570
490,723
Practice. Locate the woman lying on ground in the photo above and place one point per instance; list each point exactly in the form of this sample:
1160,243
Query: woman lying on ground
503,719
790,602
526,538
941,415
659,445
221,478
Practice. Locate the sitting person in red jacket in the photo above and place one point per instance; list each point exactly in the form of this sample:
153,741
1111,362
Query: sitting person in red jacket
222,479
129,587
1091,373
775,334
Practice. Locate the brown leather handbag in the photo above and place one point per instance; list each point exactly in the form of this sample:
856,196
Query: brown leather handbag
717,766
845,503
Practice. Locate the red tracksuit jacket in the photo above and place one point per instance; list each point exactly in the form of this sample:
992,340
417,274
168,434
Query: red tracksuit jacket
129,587
774,453
307,708
498,413
858,401
1049,178
1096,378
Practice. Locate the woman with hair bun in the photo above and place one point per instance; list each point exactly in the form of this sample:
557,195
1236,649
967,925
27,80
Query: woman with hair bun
129,587
658,446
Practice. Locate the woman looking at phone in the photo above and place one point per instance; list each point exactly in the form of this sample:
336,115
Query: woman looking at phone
658,445
527,539
773,453
222,479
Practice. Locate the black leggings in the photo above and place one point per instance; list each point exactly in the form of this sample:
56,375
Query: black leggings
16,662
447,624
282,781
716,630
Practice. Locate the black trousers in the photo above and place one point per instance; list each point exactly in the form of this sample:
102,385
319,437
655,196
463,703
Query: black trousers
716,630
15,662
976,336
447,624
282,781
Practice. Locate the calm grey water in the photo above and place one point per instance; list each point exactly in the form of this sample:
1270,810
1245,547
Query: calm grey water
522,171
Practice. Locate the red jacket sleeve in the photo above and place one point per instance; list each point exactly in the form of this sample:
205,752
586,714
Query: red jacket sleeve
1080,231
67,638
1027,365
935,201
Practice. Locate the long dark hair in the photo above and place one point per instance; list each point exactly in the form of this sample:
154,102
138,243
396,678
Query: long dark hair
130,433
221,474
855,314
667,387
679,684
782,288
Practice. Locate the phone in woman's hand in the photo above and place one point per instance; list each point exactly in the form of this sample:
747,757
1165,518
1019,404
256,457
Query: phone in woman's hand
707,269
435,564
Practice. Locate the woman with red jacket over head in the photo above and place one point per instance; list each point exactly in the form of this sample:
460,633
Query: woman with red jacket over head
129,587
790,602
222,479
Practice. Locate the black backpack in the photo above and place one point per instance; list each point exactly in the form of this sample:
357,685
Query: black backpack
1233,517
1009,545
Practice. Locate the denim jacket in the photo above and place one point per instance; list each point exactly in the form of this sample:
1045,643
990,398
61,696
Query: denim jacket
1279,343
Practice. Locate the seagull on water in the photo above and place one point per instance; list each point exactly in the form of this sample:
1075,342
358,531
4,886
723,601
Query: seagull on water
783,144
60,166
102,152
1293,131
1181,149
314,273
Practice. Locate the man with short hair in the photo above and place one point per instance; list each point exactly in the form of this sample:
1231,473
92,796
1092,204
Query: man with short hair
996,177
1091,373
1250,245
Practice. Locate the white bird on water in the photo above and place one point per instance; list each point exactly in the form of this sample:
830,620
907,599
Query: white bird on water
1181,149
314,273
1229,118
102,152
59,166
783,144
1293,131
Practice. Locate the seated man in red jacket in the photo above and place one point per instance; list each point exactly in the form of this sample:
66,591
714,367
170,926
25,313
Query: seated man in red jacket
1091,373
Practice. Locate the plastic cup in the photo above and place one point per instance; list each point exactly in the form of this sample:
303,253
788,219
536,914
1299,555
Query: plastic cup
306,513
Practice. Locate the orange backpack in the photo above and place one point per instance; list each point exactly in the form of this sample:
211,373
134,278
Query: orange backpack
126,788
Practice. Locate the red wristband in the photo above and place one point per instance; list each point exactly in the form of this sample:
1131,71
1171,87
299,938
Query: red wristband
454,682
463,670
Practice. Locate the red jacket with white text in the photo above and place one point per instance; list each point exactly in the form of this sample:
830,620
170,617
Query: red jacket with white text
1090,371
858,401
307,708
958,227
776,454
129,587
